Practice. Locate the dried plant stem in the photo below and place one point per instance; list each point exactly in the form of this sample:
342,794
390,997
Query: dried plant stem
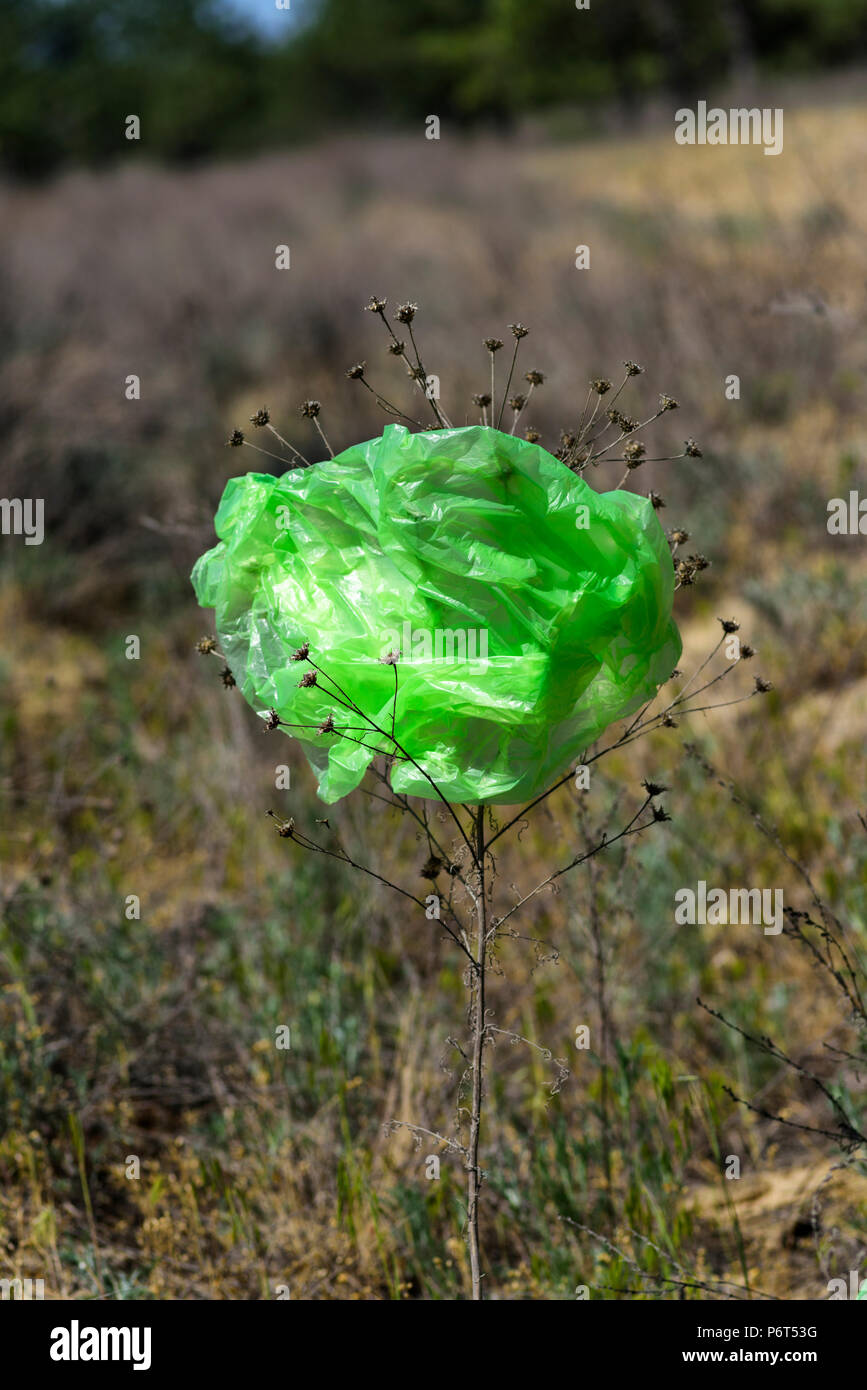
519,413
442,418
324,440
260,450
474,1176
626,434
291,447
508,382
596,935
417,371
387,405
346,700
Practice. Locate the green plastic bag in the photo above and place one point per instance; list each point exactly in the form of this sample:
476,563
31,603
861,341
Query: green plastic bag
529,611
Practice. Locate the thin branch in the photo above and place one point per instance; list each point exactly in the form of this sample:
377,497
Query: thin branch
306,843
848,1134
630,829
509,381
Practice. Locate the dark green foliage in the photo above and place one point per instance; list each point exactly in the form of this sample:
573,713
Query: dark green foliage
205,84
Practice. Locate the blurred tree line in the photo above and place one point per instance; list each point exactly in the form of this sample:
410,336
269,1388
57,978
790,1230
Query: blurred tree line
206,83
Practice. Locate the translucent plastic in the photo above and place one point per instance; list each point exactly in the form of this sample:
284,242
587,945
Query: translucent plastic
529,611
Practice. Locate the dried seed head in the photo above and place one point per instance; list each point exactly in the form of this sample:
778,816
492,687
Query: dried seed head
236,439
406,312
692,450
518,331
654,788
309,678
227,678
302,652
667,403
286,828
747,651
633,453
206,645
678,537
699,562
375,305
659,814
535,378
262,417
633,369
600,385
357,372
397,349
482,398
327,726
577,458
762,686
310,409
433,866
273,720
531,435
517,403
493,344
656,501
390,659
729,624
668,722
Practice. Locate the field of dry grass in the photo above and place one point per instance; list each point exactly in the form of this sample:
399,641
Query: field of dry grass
154,1037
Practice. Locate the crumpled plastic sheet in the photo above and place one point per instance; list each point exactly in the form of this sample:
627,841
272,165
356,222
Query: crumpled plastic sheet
530,612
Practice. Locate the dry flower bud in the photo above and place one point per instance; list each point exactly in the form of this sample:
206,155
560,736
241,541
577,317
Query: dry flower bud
633,453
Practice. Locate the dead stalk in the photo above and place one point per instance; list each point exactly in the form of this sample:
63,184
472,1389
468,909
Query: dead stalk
474,1176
